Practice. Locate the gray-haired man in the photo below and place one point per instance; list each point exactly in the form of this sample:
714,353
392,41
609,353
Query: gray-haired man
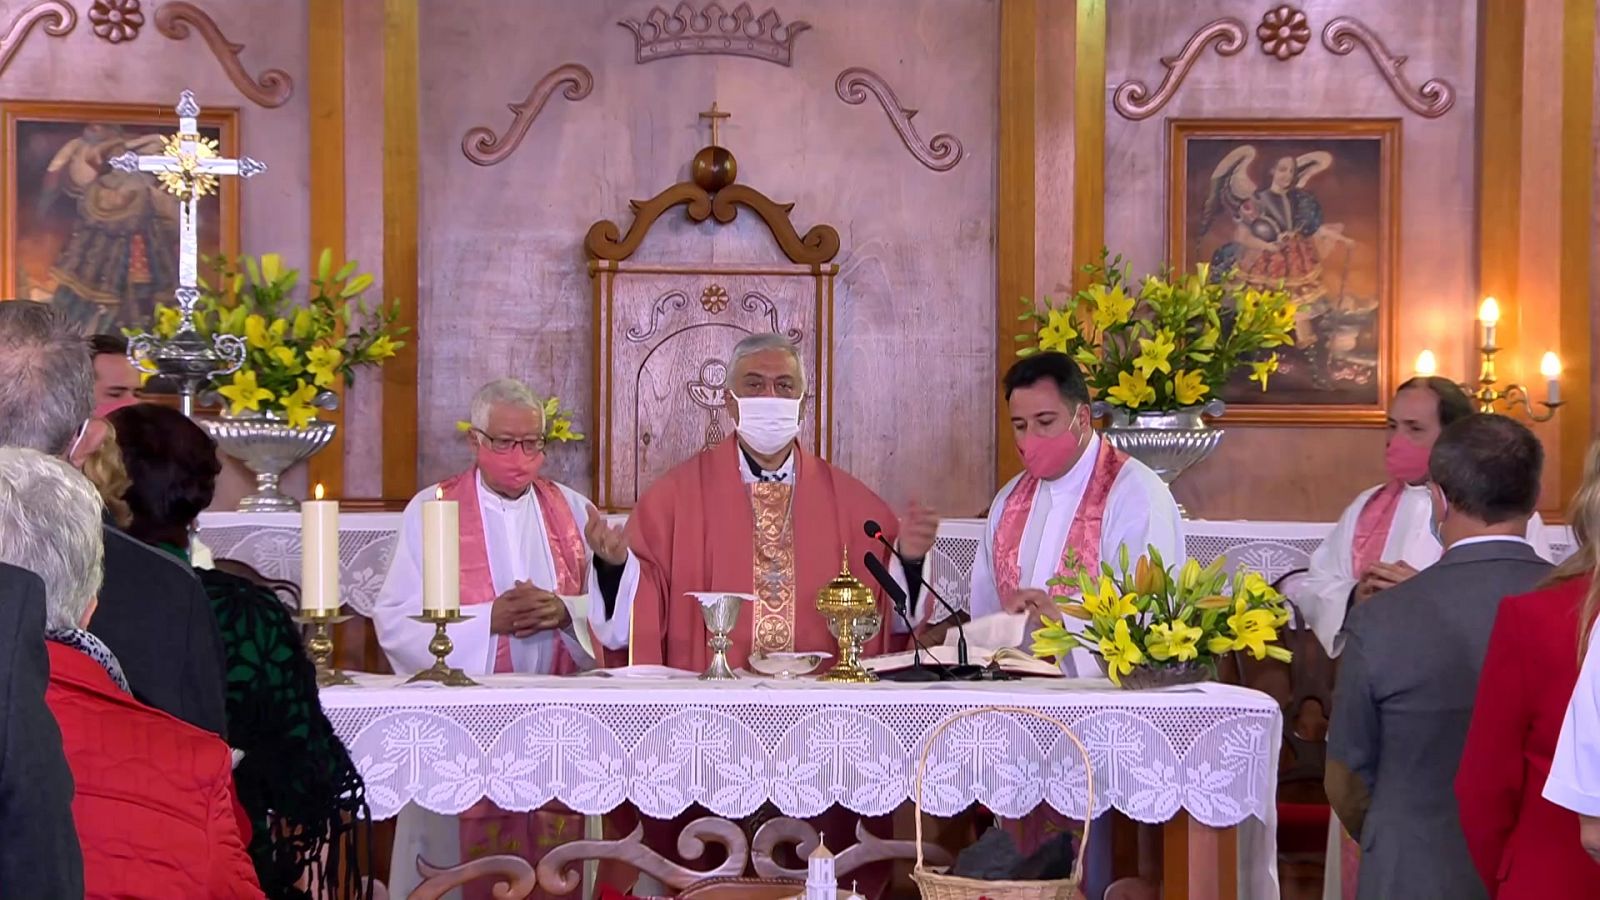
153,613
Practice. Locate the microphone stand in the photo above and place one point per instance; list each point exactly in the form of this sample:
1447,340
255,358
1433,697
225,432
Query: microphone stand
961,633
897,597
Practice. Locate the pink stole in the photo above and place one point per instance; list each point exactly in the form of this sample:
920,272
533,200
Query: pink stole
1083,538
487,830
1372,527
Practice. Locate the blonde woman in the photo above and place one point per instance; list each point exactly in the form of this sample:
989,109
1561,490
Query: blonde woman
1524,845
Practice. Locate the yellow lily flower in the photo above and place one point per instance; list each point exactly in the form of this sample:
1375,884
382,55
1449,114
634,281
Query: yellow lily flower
1260,370
262,335
1132,390
297,408
1108,602
1053,641
561,430
286,357
1155,354
1178,641
167,321
304,324
1148,578
383,348
1252,628
1189,388
1111,308
1058,331
323,364
1189,575
1207,339
243,393
1120,652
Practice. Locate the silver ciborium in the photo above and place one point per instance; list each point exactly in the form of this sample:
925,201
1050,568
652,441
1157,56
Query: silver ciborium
721,611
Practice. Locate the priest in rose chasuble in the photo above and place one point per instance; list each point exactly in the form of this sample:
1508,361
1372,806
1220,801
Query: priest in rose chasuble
756,514
1077,497
536,557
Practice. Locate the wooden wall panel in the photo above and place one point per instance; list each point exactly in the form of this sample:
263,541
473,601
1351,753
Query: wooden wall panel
1307,473
400,200
504,289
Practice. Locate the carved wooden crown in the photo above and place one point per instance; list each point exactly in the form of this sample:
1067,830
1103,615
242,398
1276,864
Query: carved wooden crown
713,30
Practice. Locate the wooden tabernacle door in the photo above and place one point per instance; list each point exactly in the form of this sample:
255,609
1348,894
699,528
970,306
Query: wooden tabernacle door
665,330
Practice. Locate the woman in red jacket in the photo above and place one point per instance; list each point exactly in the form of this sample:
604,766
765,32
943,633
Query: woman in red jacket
1522,844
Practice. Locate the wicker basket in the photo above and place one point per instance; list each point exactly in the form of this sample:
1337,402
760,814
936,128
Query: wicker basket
936,886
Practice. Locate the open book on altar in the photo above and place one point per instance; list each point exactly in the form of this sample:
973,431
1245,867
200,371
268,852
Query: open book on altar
1003,630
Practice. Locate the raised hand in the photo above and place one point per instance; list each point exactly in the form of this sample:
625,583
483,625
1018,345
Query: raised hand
608,542
918,527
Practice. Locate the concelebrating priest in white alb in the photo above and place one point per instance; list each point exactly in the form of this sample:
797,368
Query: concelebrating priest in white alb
535,557
1077,498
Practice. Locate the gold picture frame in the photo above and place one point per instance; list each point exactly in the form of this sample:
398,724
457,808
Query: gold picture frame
99,244
1312,206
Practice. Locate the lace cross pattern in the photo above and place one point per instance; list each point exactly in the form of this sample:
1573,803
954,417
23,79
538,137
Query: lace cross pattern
662,745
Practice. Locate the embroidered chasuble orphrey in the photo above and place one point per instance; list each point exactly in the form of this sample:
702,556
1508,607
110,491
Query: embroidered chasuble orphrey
772,626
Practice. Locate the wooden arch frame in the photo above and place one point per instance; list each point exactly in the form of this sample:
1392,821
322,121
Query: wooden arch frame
819,245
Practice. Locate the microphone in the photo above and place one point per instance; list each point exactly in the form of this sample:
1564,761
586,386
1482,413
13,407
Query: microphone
897,596
875,531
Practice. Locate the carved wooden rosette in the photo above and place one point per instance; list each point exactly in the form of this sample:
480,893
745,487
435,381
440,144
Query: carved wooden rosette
665,329
59,19
272,89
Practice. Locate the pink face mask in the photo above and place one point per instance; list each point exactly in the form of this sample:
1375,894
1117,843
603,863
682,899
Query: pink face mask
512,471
1049,457
1405,460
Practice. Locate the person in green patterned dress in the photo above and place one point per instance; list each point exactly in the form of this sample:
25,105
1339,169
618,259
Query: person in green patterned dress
305,799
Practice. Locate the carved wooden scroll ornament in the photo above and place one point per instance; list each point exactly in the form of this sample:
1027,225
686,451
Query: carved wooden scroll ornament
940,153
272,89
1344,34
1134,100
484,147
818,245
559,874
58,18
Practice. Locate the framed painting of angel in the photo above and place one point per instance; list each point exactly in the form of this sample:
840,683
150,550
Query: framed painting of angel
99,244
1308,206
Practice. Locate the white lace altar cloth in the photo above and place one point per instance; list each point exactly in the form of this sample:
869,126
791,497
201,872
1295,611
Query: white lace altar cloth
271,543
595,743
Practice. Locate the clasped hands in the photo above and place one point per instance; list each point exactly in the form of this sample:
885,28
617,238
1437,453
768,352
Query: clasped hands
525,610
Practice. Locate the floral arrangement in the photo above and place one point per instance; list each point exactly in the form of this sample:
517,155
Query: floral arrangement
1153,616
1169,342
557,423
293,353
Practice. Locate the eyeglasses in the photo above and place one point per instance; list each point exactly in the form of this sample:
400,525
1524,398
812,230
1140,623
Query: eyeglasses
529,446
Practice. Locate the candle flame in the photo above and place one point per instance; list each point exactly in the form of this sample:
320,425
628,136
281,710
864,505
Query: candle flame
1550,366
1489,312
1426,364
318,491
438,493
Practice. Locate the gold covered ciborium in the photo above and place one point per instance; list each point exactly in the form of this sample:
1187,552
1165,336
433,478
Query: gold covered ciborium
853,618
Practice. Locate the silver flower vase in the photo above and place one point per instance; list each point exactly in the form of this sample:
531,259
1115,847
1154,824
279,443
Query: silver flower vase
268,446
1169,442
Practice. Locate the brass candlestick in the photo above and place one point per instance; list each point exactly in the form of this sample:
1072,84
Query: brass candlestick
853,619
441,671
320,646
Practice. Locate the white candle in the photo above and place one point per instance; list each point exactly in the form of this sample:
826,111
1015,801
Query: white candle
1550,368
441,554
1426,365
319,554
1489,315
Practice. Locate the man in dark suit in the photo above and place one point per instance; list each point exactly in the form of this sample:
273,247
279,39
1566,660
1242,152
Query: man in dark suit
1410,667
153,613
39,856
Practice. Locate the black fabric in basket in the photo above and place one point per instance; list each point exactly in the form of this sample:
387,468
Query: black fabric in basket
995,857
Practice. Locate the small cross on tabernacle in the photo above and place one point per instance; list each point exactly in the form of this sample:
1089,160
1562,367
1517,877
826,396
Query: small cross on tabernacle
715,115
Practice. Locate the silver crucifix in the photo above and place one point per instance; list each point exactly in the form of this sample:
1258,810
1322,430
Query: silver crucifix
189,169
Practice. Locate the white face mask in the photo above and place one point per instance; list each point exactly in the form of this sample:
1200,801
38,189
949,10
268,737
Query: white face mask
768,424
